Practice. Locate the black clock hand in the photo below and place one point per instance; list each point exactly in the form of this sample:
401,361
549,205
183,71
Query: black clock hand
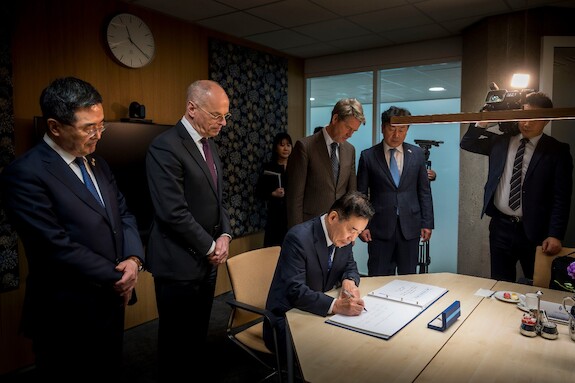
129,35
141,50
134,44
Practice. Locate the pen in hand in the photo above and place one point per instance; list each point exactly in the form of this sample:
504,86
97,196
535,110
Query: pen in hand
350,295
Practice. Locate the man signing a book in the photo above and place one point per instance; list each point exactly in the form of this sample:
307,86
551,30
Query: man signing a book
317,256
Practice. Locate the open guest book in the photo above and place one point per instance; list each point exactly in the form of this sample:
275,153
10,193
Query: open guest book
390,308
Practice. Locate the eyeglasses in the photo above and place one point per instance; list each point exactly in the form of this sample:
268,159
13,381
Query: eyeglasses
93,129
217,117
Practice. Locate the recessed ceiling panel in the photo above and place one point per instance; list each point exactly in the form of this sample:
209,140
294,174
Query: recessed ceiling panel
333,24
332,30
181,9
349,8
281,39
238,24
293,13
443,10
395,18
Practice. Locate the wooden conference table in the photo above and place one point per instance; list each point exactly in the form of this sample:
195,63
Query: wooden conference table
483,345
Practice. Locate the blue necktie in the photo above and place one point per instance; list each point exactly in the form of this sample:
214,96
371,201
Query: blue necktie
88,180
393,166
330,249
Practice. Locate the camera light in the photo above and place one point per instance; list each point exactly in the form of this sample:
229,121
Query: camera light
520,80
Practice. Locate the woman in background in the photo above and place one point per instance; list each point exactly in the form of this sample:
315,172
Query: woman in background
270,188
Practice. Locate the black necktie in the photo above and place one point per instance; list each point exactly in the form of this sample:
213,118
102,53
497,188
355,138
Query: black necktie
88,180
515,185
334,161
330,249
210,160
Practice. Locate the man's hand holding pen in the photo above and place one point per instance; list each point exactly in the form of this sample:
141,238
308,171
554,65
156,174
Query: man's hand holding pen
349,303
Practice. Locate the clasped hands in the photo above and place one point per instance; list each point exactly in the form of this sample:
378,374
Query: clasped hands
349,301
125,286
221,251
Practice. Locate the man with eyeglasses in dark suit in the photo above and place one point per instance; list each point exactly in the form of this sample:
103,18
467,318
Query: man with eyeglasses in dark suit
191,231
321,167
82,244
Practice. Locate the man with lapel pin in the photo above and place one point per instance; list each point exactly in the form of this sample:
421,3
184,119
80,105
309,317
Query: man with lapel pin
394,176
82,245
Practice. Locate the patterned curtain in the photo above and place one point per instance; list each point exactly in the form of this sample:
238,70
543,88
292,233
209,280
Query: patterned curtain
9,277
256,84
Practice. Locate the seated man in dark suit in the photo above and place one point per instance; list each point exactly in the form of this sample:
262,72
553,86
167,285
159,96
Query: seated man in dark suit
307,268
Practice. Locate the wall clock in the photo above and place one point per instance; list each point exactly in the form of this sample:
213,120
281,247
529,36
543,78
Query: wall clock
130,40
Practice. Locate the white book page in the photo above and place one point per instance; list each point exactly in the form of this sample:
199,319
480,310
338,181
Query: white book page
413,293
383,318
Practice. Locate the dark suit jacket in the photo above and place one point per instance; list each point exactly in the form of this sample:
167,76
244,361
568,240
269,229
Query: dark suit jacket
311,188
547,185
72,243
413,195
188,209
301,275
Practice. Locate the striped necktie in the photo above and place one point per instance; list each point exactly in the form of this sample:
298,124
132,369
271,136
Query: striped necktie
515,185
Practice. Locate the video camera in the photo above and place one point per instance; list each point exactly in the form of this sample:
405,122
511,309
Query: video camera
426,145
502,99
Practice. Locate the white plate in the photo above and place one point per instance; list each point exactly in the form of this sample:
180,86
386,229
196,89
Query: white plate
499,295
522,308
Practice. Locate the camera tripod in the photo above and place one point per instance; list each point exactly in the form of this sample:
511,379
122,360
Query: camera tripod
424,258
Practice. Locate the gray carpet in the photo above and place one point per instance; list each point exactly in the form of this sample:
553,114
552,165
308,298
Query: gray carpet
233,364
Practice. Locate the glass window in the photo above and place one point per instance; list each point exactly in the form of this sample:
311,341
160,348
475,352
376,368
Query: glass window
407,87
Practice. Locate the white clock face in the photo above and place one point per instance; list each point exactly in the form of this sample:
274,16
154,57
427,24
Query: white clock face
130,40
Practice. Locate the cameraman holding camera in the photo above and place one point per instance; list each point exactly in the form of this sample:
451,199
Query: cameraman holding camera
528,208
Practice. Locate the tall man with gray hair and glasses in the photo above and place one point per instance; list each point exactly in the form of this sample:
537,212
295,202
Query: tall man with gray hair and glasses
321,168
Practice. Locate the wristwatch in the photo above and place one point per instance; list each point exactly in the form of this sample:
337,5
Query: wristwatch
138,262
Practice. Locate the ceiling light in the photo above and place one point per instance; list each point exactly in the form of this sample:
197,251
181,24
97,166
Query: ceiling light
312,98
437,89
